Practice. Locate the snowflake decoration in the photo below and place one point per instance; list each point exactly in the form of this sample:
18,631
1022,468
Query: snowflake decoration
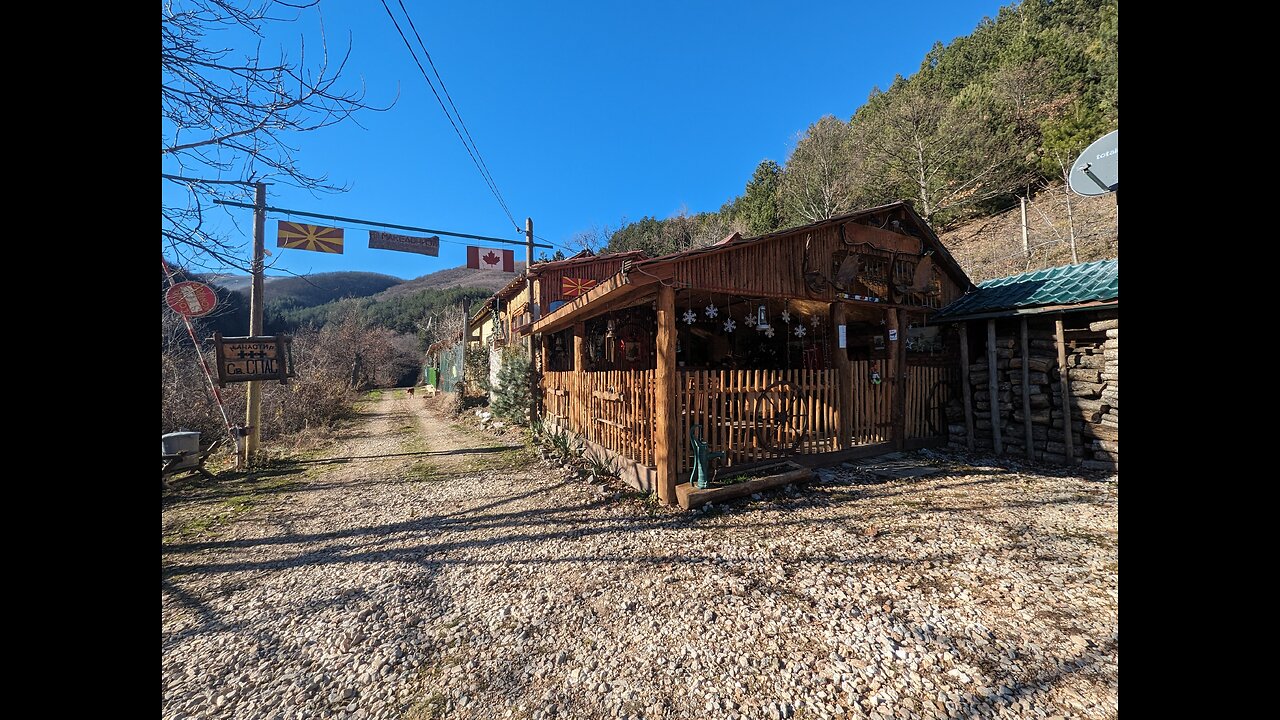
815,320
729,325
712,311
768,332
786,316
799,331
750,321
690,316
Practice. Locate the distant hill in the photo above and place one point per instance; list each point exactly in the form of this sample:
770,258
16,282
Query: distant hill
312,290
458,277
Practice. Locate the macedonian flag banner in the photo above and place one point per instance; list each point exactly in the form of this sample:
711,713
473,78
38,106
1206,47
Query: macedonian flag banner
316,238
573,287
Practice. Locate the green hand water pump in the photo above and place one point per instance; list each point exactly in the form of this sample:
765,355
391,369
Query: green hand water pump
701,458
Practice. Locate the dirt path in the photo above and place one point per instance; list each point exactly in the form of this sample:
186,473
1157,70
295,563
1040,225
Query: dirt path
421,569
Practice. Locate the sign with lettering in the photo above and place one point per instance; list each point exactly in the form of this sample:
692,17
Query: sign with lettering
405,243
241,359
191,299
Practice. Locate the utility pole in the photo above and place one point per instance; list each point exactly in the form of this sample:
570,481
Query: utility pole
253,411
533,316
1026,249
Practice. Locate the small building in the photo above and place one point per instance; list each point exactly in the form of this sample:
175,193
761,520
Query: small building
1040,353
813,343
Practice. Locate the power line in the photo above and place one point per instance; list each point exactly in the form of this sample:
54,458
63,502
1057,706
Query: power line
375,223
493,187
458,114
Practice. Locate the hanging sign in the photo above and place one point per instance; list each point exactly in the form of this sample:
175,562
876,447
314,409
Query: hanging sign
893,335
191,299
316,238
265,357
479,258
405,243
841,333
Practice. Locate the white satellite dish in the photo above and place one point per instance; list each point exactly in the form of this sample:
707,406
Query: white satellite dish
1097,170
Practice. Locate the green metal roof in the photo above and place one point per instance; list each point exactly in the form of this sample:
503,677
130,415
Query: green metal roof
1065,285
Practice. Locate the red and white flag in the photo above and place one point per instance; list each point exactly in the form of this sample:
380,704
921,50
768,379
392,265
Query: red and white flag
479,258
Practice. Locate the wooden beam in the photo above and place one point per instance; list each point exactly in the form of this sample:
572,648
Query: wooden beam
896,368
844,381
965,386
580,347
1026,389
993,388
1066,391
666,420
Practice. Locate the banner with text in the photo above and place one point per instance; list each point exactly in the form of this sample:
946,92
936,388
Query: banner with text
405,243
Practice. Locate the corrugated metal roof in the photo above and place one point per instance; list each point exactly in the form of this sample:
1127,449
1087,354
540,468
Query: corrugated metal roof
1064,285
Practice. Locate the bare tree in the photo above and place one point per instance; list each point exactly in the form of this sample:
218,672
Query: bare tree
942,153
819,180
228,118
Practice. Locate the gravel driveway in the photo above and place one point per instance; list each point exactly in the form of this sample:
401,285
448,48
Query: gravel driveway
421,569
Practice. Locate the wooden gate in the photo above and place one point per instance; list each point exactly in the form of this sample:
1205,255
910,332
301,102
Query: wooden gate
930,383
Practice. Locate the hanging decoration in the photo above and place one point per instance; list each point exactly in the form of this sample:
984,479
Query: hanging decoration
800,330
712,311
786,316
815,320
729,325
762,317
768,331
750,321
690,316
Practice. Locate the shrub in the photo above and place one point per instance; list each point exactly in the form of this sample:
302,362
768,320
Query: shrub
511,399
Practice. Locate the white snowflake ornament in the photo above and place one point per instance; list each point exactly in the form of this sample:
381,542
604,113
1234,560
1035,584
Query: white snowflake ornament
712,311
750,321
768,332
815,320
800,331
786,316
690,316
729,325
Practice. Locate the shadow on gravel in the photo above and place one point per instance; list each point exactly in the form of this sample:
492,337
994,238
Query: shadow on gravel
422,453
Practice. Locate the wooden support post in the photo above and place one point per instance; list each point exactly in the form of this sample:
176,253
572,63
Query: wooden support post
666,415
1066,391
1026,389
964,384
898,385
579,347
993,388
844,381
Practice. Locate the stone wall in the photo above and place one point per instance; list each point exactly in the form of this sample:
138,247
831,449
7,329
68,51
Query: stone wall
1092,405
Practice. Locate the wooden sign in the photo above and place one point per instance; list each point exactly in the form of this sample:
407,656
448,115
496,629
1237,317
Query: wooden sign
267,357
405,243
191,299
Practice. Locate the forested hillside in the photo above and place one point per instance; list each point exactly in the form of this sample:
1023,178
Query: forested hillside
996,114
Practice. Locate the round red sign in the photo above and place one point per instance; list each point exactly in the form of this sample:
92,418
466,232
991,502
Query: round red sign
191,299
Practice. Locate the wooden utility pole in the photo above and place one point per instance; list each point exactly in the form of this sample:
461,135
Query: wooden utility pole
253,410
533,316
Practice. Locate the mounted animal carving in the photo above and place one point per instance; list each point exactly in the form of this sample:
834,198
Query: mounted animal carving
847,275
921,279
815,281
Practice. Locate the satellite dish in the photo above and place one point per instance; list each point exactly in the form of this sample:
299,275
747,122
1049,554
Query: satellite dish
1097,170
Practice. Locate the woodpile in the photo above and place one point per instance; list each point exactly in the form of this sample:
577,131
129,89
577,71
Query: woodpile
1091,405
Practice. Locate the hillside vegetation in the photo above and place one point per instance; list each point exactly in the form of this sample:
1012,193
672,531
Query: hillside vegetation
996,114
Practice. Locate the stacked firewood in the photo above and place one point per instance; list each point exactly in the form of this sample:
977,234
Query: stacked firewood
1092,371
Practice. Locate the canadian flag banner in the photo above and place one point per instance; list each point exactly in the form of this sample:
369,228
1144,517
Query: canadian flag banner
479,258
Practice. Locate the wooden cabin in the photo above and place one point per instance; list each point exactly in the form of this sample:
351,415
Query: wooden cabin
1031,345
505,317
812,343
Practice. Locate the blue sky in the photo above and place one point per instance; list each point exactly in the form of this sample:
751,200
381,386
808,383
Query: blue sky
585,112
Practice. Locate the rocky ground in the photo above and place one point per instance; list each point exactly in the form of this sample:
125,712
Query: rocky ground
422,569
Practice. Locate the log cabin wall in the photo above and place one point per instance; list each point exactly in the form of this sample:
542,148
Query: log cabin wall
1091,350
549,283
805,264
